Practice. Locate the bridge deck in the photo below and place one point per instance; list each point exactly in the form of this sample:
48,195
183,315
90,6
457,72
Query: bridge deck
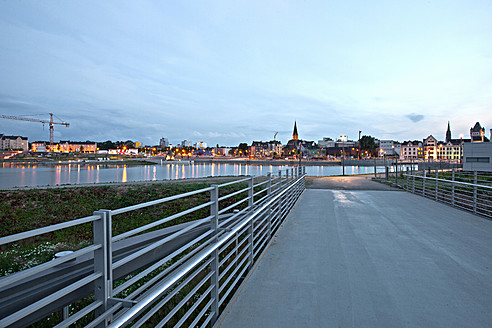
353,258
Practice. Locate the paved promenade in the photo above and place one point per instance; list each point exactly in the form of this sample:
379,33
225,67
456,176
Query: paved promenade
371,258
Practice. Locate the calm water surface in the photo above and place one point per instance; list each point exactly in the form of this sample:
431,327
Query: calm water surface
28,175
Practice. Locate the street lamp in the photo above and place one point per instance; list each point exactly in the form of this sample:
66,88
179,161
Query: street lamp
343,154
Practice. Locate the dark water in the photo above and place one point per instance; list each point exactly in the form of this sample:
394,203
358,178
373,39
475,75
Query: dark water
27,175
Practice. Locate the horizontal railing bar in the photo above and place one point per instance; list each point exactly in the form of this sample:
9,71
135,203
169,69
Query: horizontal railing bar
260,192
202,313
233,194
259,184
192,309
455,182
47,300
173,293
159,201
230,265
233,182
159,222
224,247
185,299
233,205
79,315
10,279
161,242
51,228
231,275
161,262
233,285
233,251
234,217
260,246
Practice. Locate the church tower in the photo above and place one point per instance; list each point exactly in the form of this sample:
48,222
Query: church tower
295,136
448,134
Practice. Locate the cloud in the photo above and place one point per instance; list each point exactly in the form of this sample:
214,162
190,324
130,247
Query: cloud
415,117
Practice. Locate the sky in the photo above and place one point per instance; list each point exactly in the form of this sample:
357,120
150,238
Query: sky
226,72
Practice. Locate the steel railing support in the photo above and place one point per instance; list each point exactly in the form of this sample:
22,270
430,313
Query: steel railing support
251,229
452,186
102,263
437,184
475,180
423,182
413,182
269,211
214,265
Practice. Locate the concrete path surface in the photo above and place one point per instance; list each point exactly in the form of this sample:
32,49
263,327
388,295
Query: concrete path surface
348,182
371,259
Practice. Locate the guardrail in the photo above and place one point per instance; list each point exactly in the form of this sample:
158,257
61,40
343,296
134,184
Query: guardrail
189,285
451,188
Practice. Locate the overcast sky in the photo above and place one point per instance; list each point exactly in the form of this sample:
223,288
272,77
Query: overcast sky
236,71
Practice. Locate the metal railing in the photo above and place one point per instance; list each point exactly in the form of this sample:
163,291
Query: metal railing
188,284
468,191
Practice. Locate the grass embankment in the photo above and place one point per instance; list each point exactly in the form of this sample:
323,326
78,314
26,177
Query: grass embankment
23,210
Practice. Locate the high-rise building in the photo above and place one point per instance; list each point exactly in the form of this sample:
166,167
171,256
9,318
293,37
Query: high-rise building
164,142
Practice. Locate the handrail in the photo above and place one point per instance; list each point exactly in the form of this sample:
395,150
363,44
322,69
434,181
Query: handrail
449,181
144,303
202,238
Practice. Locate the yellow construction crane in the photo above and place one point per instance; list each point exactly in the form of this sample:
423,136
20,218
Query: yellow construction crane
50,122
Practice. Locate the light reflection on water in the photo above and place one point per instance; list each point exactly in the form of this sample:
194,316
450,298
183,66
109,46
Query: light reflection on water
22,175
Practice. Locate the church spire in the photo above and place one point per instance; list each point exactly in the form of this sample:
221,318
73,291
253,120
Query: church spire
448,133
295,136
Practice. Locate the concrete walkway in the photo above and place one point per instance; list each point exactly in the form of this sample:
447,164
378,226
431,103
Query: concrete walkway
371,259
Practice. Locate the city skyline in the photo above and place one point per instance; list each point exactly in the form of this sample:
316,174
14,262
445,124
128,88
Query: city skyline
226,73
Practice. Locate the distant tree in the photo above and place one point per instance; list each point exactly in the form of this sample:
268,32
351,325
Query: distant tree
243,147
106,145
368,143
129,144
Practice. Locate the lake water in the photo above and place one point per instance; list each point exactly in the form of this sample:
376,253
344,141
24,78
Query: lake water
28,175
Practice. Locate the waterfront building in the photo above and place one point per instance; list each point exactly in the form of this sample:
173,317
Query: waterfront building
200,145
477,133
14,143
66,146
430,147
186,143
412,150
389,148
326,143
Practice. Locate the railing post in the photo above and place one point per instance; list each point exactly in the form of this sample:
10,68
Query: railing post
437,183
280,178
408,178
214,265
413,182
287,176
102,262
396,173
386,171
251,224
475,181
452,187
269,211
423,182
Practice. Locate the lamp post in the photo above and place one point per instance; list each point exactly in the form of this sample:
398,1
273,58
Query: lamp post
343,154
